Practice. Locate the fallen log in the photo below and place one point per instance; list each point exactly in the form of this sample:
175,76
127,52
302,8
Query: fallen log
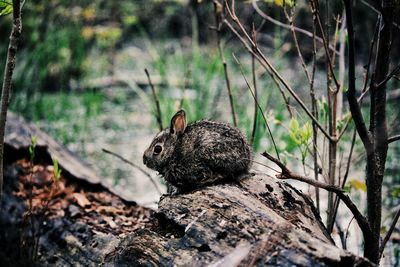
257,221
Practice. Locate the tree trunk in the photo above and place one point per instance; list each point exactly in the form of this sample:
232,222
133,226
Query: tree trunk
376,160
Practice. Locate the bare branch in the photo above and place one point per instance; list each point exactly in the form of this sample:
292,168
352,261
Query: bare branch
393,138
394,72
347,231
218,10
296,43
253,72
317,17
389,232
351,92
346,174
314,110
365,89
270,68
342,66
287,174
359,100
7,80
371,50
286,26
255,99
135,166
156,100
273,77
377,11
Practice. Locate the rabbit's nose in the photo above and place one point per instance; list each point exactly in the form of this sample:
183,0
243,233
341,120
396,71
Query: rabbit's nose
144,160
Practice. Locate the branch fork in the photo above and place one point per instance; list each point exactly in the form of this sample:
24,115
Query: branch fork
287,174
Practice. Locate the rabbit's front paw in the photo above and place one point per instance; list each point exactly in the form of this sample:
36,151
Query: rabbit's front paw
173,190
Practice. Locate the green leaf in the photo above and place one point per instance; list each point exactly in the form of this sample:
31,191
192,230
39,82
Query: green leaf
293,136
383,230
56,170
34,140
294,131
6,7
396,191
306,132
293,125
347,189
282,3
32,147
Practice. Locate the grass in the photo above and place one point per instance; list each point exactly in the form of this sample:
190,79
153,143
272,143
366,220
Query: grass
63,115
205,95
199,88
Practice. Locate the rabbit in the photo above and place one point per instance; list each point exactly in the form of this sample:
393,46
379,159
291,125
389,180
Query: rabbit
198,154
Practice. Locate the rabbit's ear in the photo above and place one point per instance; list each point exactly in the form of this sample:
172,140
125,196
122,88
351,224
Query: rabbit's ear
178,122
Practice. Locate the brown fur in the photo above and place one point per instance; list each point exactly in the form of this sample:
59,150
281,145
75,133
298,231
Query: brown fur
199,154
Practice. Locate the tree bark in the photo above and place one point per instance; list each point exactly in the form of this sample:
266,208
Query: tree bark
376,160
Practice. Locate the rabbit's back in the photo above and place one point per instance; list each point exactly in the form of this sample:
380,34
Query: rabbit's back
219,146
201,153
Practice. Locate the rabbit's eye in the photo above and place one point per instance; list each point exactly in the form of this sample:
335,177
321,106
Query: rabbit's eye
157,149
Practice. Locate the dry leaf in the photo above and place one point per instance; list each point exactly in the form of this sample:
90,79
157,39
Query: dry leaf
81,200
109,210
358,184
110,222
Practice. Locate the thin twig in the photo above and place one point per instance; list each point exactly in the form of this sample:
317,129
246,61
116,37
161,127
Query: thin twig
365,89
377,12
287,174
342,66
7,80
295,96
135,166
269,67
351,92
157,102
341,234
332,110
264,165
255,99
371,51
346,174
316,15
347,231
254,76
218,10
389,232
296,43
359,100
255,54
314,111
195,220
390,75
288,27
